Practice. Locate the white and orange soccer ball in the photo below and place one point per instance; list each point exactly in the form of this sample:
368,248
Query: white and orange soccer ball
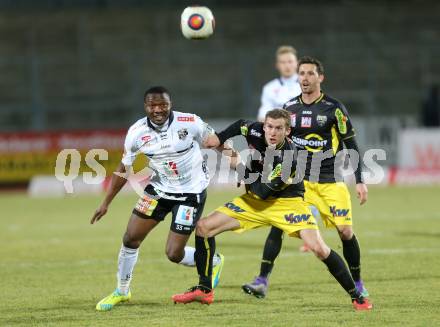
197,22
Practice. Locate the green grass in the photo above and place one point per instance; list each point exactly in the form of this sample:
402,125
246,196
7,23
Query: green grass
55,266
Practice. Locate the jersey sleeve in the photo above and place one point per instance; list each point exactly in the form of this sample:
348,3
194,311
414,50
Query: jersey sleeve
240,127
343,122
203,129
266,103
130,149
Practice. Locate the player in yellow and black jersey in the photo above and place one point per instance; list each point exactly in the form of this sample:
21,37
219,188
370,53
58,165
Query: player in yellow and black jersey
275,200
320,126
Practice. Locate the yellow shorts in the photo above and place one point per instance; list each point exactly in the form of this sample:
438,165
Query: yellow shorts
332,201
288,214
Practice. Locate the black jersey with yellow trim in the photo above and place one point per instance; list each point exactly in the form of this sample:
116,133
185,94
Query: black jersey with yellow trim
274,184
320,128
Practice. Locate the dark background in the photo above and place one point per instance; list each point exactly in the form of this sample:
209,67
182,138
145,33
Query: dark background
85,64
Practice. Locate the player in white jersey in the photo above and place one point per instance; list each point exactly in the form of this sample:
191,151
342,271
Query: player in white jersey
170,140
280,90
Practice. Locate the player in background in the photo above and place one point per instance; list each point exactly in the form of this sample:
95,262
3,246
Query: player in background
170,140
320,124
270,200
280,90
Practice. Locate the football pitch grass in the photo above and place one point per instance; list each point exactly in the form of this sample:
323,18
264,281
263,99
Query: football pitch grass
55,267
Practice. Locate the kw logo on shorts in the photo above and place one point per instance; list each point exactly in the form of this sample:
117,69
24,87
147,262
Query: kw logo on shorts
233,207
338,212
295,219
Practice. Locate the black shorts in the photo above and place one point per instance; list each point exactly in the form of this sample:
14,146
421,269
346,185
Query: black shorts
186,208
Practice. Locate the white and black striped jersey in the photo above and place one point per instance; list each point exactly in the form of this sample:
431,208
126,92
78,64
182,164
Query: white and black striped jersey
173,151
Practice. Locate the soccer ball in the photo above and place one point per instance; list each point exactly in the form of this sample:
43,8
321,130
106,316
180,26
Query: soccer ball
197,22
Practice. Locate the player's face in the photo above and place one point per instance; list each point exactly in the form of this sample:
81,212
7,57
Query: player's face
287,64
309,79
158,107
275,130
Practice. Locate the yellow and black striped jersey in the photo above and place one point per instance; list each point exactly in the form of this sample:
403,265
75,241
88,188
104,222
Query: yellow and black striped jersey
320,128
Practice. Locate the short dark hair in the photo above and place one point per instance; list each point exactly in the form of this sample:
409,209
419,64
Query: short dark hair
313,61
156,90
279,113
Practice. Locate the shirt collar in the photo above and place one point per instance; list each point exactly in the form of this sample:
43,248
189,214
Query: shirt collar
289,80
164,126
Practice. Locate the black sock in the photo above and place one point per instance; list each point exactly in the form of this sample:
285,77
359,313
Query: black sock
352,254
272,248
339,270
205,249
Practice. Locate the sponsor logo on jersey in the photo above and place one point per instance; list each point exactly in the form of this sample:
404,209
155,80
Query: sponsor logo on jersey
186,118
146,138
255,133
307,112
295,219
321,120
338,212
163,136
293,120
312,142
171,168
306,122
289,103
182,133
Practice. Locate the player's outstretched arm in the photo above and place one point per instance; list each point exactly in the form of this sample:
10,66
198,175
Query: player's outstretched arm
116,185
362,193
361,189
211,141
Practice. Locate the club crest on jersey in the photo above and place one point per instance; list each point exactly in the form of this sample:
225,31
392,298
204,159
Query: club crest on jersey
342,121
182,133
293,120
306,122
321,120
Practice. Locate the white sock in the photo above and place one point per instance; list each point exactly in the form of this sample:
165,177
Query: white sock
215,260
126,262
188,258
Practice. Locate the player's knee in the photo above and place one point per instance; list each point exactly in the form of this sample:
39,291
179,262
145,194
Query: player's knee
174,255
319,249
345,233
130,242
202,229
